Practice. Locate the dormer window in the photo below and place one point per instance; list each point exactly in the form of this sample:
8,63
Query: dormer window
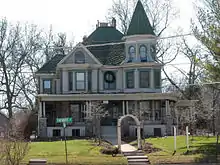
153,51
79,58
132,53
143,53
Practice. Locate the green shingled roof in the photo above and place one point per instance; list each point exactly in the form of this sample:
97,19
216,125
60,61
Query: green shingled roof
140,23
108,54
104,35
50,66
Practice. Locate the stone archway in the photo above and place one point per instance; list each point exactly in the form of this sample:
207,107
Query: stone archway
138,130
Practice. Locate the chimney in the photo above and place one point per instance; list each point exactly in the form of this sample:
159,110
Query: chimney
114,22
84,39
97,25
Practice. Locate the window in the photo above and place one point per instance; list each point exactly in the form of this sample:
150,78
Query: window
77,113
144,79
130,79
70,78
75,132
80,81
109,81
47,86
143,53
79,58
56,133
153,51
157,78
132,53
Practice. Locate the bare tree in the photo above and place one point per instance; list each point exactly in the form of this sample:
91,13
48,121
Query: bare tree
16,44
96,113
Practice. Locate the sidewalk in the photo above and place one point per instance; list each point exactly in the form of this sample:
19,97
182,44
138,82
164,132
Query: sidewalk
127,148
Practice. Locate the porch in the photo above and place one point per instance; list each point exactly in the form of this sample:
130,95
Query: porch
151,111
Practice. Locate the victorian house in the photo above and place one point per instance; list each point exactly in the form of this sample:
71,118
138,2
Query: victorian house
119,70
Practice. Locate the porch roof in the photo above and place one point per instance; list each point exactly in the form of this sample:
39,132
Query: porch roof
103,97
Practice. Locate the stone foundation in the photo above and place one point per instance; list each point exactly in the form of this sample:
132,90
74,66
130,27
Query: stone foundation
42,127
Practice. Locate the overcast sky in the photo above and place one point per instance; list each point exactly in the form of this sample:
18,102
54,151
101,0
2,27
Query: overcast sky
75,17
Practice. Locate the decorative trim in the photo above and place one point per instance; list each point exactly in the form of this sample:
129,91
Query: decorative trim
124,96
74,49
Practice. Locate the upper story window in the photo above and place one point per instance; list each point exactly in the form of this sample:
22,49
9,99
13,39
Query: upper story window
143,53
157,78
153,51
80,81
109,80
47,86
144,79
79,58
132,53
130,79
70,78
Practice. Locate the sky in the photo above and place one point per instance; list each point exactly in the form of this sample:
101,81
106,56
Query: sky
75,17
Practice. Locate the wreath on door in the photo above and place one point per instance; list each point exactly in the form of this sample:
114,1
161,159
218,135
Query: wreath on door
109,77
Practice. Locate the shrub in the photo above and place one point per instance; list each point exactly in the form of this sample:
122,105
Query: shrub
110,151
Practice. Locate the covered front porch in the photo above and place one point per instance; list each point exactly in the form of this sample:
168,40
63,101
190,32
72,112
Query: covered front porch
151,109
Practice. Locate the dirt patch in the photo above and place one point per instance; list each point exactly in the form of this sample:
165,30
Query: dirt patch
148,148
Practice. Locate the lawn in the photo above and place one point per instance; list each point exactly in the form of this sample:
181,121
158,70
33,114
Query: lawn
202,149
81,152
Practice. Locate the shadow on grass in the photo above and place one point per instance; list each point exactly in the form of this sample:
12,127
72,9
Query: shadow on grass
209,152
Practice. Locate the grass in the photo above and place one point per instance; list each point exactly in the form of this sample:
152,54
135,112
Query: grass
80,152
202,149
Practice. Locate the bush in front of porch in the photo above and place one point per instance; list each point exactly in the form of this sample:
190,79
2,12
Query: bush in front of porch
83,152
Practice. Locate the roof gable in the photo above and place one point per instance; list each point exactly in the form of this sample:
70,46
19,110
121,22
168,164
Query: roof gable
89,57
140,23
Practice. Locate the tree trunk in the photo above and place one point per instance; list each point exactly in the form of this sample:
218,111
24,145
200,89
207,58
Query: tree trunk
99,126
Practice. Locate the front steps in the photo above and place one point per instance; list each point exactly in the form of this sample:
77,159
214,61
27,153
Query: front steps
136,158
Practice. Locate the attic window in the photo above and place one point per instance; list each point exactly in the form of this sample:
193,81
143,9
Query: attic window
79,58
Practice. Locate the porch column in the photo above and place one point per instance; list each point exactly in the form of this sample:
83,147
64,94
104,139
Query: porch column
44,111
167,107
42,121
127,110
40,110
168,119
123,108
153,110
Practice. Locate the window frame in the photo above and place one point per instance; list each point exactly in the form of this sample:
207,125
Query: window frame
81,55
82,81
145,58
156,86
140,78
109,87
132,56
70,80
47,90
154,52
133,79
